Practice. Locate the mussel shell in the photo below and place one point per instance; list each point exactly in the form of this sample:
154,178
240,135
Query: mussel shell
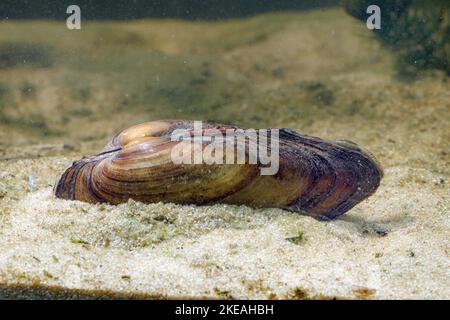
315,177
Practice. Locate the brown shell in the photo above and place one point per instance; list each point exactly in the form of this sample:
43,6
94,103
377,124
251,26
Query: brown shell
315,177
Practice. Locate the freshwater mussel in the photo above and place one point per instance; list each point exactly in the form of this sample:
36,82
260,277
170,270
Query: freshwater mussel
312,176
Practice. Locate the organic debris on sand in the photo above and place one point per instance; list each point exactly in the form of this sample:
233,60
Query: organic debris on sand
319,72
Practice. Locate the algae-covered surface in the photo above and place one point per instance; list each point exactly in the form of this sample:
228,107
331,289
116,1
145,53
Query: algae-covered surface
320,72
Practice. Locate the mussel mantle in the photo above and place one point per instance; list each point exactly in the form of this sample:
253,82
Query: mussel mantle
320,178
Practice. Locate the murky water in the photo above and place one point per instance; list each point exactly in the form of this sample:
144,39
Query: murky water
326,71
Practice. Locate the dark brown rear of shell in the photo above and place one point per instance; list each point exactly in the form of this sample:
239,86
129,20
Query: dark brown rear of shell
320,178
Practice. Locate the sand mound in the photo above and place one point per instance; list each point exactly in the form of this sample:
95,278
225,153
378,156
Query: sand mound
319,72
390,246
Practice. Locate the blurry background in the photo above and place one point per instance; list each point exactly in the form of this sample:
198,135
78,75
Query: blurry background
138,9
310,65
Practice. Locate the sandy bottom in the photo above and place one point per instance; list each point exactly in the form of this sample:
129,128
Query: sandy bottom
320,72
390,246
